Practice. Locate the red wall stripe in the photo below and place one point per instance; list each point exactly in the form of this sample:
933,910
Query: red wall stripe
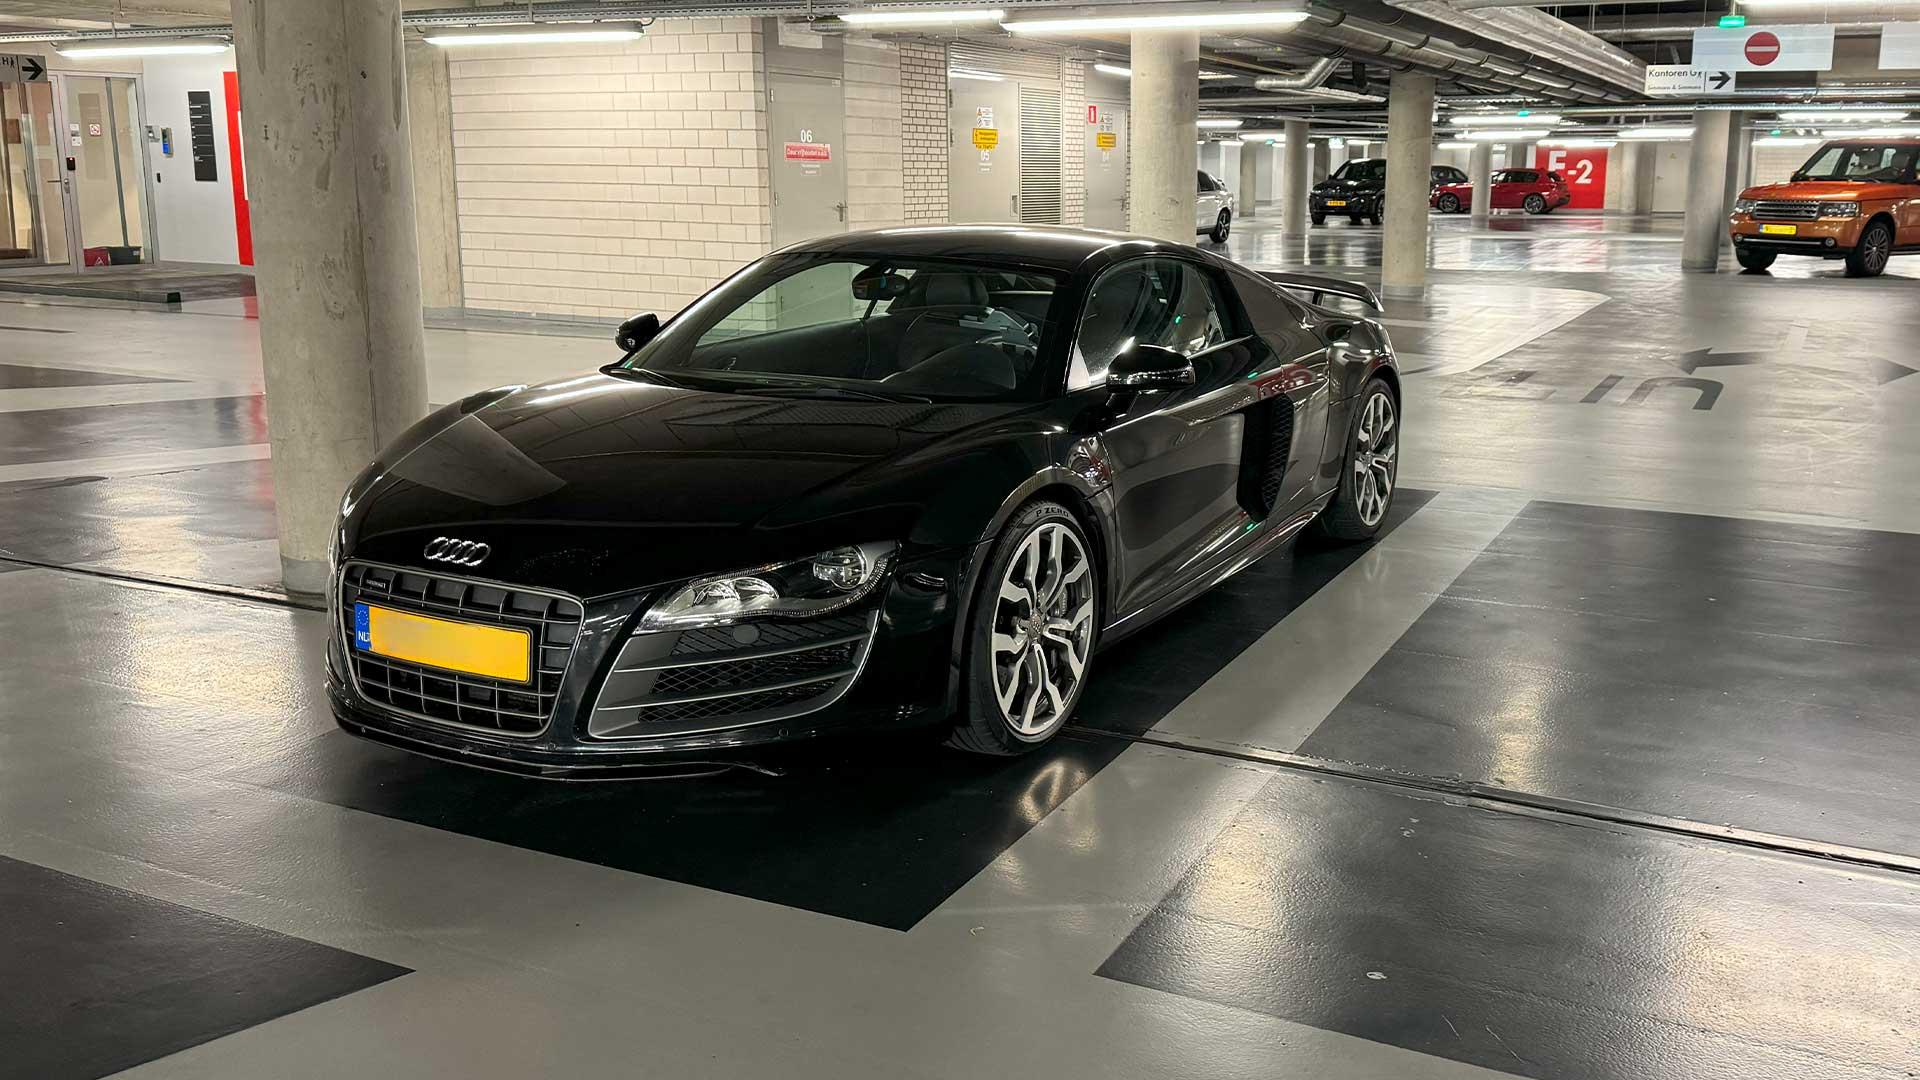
242,219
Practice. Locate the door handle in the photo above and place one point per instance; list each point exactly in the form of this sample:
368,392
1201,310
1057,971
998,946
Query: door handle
841,209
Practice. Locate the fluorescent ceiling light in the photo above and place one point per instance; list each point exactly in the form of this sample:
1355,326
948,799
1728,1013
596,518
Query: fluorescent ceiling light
1263,136
1197,20
532,37
1857,134
1842,116
1656,131
1114,69
157,49
1763,5
968,73
1221,122
1783,140
1491,119
928,17
1336,143
1454,146
1504,136
1579,144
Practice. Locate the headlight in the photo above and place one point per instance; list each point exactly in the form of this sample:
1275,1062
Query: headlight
1840,209
1743,206
827,582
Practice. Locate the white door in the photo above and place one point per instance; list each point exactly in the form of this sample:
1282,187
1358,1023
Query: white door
806,120
1107,166
983,169
103,161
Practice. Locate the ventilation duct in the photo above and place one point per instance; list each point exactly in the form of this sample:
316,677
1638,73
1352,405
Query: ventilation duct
1545,36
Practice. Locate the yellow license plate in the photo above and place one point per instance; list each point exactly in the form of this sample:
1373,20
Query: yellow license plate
1780,230
494,651
1336,202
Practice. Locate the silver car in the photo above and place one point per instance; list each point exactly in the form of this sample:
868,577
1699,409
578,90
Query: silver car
1212,208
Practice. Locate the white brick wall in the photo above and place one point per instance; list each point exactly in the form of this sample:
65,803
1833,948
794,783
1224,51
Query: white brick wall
876,195
604,180
923,130
1073,142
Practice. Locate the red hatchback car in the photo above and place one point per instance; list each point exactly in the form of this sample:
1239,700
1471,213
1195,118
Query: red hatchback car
1532,190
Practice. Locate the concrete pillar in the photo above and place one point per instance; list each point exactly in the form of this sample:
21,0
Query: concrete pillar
1480,172
1629,158
1295,179
1322,160
1739,153
1520,156
1706,223
1251,155
436,217
1165,108
1403,263
329,170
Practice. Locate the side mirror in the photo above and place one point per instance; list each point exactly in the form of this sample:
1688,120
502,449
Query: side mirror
636,332
1150,367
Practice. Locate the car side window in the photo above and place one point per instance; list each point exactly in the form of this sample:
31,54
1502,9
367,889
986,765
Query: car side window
1154,301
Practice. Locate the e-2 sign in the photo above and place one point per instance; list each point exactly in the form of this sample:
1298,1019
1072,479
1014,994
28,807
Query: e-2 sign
1584,170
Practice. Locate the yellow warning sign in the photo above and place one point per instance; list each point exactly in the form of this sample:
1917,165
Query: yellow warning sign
986,138
1105,140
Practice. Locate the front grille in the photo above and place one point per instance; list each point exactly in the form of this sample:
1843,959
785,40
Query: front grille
1268,440
473,701
1781,210
673,682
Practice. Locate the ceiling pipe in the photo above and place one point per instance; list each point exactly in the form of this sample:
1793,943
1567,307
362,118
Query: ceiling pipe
1310,79
1685,32
1544,36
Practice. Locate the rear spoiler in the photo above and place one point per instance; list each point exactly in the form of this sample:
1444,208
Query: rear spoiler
1316,287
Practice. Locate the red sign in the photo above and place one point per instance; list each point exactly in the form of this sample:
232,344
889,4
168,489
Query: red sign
1093,114
809,151
1584,170
1763,48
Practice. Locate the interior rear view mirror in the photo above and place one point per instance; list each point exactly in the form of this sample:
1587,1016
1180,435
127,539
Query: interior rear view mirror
636,331
876,287
1149,367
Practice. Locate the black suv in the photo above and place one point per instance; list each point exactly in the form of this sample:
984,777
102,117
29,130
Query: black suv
1358,189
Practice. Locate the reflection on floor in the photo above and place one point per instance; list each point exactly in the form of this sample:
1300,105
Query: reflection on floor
1598,764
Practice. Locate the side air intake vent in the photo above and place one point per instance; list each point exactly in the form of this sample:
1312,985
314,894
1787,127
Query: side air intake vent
1263,456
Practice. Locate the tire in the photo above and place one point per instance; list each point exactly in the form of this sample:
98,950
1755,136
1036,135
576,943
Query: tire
1319,219
1357,512
1754,260
1222,227
1449,204
1869,257
1012,707
1379,212
1534,204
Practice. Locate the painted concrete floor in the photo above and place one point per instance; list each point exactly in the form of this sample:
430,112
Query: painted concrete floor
1600,763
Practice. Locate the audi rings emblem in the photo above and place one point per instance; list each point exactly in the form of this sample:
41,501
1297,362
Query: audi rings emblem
458,552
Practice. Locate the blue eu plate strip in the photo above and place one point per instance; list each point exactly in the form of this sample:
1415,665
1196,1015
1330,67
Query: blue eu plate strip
362,627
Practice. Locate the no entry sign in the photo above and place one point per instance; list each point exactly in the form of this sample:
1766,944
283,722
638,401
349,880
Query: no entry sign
1770,48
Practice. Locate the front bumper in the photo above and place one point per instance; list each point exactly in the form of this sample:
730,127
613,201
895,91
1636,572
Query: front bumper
906,675
1830,238
1357,205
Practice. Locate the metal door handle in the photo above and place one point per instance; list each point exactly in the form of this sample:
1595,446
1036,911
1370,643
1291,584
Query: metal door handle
841,209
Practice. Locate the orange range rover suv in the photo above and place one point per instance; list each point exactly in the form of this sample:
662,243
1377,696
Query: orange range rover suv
1857,200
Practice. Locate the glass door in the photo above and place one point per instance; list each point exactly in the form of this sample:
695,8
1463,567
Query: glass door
105,161
33,229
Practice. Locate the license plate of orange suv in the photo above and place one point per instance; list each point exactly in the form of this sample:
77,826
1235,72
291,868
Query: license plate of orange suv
1780,230
468,648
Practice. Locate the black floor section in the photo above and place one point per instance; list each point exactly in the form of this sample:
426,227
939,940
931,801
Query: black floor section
92,431
1538,947
94,979
140,284
23,377
1720,670
1141,679
881,833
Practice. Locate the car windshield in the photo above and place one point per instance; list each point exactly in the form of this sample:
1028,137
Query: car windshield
843,325
1861,162
1362,170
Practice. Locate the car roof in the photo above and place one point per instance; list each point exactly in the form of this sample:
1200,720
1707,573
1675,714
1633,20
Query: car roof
1048,246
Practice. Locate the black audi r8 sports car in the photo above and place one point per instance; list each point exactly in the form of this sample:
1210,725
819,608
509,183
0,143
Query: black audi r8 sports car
914,477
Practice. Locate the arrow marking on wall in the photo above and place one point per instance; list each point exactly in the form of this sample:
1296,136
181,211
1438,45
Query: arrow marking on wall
1720,79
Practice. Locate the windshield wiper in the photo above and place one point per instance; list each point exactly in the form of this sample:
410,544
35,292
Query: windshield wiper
784,389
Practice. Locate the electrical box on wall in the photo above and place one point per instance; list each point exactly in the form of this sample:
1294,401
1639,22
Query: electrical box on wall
166,142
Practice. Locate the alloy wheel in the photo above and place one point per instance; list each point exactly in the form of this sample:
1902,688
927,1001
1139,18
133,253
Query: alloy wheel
1877,245
1042,629
1374,459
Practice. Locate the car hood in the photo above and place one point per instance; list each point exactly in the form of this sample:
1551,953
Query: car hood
601,484
1831,191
